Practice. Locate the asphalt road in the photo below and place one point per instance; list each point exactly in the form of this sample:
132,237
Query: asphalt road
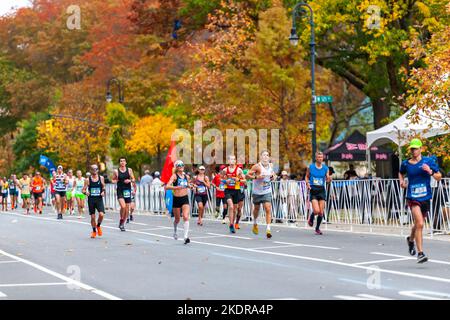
45,258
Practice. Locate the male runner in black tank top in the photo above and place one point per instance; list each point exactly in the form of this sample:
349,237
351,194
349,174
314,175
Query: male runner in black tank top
124,177
94,188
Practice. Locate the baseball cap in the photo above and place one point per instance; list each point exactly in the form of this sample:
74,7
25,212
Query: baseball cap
156,173
415,144
222,167
60,167
201,168
284,173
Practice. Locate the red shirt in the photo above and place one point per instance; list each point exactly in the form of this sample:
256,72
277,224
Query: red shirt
220,186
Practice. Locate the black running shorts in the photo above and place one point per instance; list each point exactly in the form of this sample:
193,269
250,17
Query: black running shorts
96,203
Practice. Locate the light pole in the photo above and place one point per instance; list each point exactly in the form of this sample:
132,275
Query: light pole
299,11
109,96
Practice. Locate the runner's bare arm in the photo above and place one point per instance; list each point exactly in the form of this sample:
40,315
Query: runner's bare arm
170,186
251,173
115,176
102,180
207,182
401,177
86,184
307,178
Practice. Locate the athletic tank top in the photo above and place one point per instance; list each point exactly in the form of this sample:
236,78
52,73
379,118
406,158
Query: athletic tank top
317,177
122,176
79,185
95,188
262,186
38,185
71,183
201,187
231,182
60,185
12,186
181,181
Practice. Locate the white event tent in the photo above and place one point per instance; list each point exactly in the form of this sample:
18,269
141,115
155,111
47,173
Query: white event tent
402,130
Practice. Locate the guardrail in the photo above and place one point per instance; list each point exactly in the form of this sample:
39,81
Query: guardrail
370,203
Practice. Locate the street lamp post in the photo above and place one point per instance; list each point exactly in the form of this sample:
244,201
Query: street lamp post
109,96
299,10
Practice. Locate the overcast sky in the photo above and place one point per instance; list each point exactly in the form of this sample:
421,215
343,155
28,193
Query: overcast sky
6,5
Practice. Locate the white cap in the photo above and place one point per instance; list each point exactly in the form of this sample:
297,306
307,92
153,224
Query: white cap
60,167
156,173
201,168
284,173
178,163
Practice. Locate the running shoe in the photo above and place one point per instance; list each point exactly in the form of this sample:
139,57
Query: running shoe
131,218
255,229
236,226
186,241
232,229
421,257
268,234
411,248
99,231
121,227
175,236
93,234
318,232
128,220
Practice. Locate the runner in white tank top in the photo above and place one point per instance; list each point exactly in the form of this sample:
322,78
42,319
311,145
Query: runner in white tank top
263,174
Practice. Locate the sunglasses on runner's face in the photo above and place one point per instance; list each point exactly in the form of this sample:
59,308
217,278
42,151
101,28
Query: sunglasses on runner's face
180,165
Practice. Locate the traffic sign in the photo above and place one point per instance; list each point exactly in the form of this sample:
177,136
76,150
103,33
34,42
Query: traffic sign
324,99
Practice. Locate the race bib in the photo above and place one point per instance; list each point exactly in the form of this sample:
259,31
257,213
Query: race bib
183,183
95,192
201,189
38,188
418,190
317,181
222,186
266,184
231,182
79,189
126,193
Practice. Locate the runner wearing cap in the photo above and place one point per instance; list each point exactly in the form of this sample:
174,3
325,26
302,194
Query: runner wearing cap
60,184
179,182
94,188
419,171
263,174
202,184
220,183
233,175
79,195
316,177
37,188
124,177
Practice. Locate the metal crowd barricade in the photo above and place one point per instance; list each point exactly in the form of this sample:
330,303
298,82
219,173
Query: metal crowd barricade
369,203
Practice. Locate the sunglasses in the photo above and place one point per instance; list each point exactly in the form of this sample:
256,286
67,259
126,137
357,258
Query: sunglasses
180,165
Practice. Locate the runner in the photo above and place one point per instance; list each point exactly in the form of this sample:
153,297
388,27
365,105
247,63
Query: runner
419,171
4,194
202,185
317,175
70,192
180,183
124,177
94,188
37,188
220,194
60,185
24,185
13,192
233,175
52,190
263,174
241,197
79,195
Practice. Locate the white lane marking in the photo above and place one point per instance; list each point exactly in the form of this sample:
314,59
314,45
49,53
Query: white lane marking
426,295
361,296
62,277
404,274
2,295
380,261
275,247
228,236
408,258
9,261
149,229
107,219
33,284
139,223
307,245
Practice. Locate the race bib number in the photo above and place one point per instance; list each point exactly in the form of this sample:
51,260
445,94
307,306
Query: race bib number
79,189
38,188
201,189
418,190
317,181
266,184
184,184
97,191
231,182
221,186
126,193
